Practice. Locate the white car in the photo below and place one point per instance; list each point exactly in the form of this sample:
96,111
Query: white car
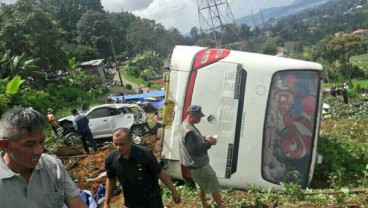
104,119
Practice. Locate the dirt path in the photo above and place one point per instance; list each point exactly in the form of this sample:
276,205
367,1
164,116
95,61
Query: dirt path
125,81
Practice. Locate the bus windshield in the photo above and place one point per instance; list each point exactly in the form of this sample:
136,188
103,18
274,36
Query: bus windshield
290,124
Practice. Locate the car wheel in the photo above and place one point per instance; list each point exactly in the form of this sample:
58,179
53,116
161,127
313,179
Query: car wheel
137,133
72,139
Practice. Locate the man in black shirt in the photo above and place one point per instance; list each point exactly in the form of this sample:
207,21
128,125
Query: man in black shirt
137,171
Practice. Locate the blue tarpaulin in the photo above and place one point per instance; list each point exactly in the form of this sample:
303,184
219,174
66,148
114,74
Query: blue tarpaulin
155,98
156,104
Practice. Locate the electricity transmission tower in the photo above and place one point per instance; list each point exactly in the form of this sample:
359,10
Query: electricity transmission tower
214,15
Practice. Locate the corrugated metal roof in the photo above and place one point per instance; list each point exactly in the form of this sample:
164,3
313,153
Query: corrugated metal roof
93,62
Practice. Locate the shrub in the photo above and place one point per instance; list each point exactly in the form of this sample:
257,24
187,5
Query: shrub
72,95
128,86
39,100
4,101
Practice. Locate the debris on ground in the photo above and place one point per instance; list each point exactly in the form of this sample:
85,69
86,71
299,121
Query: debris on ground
88,170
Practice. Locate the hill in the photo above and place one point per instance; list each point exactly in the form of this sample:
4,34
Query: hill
277,12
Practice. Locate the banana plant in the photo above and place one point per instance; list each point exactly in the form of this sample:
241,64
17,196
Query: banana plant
9,89
16,65
13,86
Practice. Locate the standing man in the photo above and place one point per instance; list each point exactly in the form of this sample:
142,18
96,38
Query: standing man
137,171
52,120
344,93
194,156
80,123
29,178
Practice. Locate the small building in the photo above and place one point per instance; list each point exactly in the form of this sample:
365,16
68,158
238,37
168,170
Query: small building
94,67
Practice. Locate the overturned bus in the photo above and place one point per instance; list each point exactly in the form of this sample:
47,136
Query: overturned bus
264,109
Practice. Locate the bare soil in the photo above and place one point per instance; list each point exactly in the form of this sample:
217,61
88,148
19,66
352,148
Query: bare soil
86,168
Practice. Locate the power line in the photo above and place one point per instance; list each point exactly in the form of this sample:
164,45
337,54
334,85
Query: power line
214,15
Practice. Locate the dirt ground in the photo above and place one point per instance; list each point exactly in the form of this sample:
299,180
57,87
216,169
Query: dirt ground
85,170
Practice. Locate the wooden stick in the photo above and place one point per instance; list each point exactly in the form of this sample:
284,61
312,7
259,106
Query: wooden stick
74,156
356,191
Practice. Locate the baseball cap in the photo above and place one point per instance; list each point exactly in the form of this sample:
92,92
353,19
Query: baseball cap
196,109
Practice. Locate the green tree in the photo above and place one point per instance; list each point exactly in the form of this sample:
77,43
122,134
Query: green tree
194,34
27,29
341,48
96,30
67,12
141,36
230,34
145,66
269,47
245,32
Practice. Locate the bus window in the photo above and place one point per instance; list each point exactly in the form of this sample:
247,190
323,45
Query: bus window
290,126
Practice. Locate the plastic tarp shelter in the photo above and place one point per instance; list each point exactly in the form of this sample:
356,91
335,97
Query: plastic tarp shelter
154,98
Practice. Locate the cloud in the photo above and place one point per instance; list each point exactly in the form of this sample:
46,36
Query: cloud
181,14
8,1
126,5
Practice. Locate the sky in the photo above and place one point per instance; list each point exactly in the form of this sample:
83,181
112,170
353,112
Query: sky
181,14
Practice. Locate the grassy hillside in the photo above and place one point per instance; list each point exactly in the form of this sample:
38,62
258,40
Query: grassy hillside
361,61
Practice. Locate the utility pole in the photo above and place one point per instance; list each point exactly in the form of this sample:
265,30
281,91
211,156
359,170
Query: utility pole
254,22
264,30
116,63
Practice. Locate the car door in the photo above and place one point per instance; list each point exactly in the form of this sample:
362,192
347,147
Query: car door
123,118
100,121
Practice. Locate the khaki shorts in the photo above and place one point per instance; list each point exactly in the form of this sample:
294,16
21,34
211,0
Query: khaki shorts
205,177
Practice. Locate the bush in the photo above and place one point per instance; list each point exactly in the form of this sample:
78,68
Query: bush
72,95
39,100
4,101
128,86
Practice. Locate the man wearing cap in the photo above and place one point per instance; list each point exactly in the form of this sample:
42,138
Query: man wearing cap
194,156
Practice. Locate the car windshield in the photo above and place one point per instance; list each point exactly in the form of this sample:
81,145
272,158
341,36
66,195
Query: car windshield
134,110
124,110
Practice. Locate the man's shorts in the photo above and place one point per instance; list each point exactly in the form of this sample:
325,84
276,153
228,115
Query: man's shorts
205,177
